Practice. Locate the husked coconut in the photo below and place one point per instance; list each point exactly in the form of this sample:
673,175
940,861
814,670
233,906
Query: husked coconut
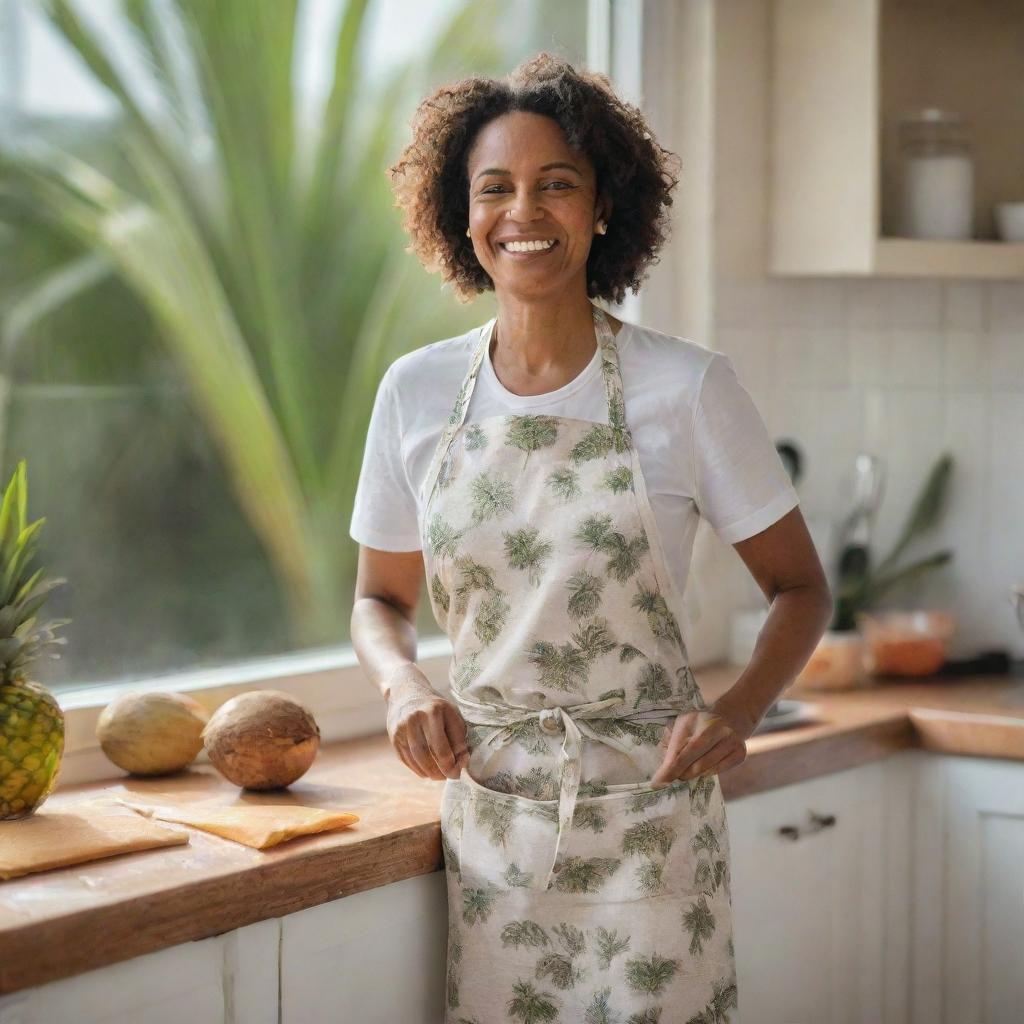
152,733
263,739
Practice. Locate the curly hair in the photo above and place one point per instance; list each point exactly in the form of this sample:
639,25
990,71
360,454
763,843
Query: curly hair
432,189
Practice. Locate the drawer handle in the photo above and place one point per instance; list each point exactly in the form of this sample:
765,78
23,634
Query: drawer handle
818,822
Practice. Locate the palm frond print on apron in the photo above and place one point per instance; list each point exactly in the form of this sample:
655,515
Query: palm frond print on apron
577,892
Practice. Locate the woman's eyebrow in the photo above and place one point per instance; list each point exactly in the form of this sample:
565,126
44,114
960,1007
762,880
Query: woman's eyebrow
546,167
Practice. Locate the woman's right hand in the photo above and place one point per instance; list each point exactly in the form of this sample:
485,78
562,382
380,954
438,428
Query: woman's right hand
427,731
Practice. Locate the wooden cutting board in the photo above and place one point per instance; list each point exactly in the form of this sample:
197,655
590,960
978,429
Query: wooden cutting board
78,833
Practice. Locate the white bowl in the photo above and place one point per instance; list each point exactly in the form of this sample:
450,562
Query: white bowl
1010,221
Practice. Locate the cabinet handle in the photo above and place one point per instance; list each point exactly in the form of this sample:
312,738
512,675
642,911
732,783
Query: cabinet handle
818,822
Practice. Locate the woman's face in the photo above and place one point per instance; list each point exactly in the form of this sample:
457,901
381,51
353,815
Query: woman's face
526,183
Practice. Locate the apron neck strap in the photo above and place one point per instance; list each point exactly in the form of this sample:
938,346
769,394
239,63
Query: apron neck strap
620,439
609,371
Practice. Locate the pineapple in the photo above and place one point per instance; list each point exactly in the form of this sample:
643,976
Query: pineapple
31,721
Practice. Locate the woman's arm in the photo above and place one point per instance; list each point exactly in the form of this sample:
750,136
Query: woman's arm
785,564
384,613
427,731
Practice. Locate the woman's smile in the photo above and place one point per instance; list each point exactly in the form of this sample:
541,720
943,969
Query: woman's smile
528,254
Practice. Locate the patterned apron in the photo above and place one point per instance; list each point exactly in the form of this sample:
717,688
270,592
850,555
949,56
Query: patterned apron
578,892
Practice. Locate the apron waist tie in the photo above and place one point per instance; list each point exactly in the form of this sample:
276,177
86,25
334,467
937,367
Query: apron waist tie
573,720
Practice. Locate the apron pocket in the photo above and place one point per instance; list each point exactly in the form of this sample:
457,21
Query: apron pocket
506,840
650,841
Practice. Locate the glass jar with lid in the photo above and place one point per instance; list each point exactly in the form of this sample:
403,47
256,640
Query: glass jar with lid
937,175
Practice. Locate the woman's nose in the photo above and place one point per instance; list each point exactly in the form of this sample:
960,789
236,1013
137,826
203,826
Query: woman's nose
524,207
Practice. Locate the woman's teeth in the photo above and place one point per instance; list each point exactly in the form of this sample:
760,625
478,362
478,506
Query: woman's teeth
527,246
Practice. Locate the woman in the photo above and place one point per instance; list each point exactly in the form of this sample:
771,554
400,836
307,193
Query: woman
546,473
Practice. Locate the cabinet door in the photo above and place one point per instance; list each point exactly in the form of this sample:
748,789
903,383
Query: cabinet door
984,899
377,957
229,979
810,913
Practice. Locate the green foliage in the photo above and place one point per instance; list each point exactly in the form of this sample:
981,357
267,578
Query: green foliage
22,593
252,236
861,591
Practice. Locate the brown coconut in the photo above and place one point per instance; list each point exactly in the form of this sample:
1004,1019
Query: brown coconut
152,733
263,739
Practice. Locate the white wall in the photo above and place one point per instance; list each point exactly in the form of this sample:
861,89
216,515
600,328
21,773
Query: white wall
902,368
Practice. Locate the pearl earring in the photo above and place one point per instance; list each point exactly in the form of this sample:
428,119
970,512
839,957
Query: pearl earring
601,228
468,234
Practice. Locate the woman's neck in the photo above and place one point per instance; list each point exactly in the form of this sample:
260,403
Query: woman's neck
535,345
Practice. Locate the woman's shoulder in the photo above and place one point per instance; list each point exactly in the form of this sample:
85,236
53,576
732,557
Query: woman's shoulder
433,363
658,356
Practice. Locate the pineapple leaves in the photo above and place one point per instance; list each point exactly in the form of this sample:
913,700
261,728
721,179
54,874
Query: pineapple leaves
22,595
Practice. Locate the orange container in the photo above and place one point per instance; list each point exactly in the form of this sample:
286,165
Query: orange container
898,643
836,664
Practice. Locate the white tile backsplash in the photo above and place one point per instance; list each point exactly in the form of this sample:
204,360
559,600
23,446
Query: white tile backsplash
1006,501
968,360
905,370
965,306
1006,308
892,303
916,359
1007,360
810,357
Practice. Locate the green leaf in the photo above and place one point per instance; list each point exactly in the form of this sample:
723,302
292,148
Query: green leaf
926,510
886,581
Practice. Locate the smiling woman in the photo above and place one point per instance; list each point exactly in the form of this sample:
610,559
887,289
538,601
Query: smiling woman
462,169
516,468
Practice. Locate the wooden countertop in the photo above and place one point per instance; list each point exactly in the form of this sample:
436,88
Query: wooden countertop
59,923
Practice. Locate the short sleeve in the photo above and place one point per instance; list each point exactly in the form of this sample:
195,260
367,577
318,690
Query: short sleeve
384,513
742,486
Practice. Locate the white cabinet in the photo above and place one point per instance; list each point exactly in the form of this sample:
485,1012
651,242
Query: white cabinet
820,919
377,957
902,903
229,979
969,925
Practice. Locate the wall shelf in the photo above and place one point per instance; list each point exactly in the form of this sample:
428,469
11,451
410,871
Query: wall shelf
843,73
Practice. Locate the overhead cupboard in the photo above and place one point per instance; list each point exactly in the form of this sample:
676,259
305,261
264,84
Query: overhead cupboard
891,122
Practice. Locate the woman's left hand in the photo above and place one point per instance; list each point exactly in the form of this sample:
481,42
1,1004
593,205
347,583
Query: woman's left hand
702,742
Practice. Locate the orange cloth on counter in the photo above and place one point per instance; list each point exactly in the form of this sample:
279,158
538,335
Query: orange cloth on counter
257,825
75,833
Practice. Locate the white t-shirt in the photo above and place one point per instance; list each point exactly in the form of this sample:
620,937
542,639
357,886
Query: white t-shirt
704,449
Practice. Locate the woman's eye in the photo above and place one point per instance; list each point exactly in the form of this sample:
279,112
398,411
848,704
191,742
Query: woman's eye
564,184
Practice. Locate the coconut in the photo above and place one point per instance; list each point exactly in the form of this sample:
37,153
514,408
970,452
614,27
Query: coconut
152,733
263,739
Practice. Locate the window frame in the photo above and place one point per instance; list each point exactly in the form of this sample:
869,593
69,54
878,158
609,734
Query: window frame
330,680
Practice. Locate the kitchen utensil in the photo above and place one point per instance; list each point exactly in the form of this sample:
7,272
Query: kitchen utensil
792,459
867,495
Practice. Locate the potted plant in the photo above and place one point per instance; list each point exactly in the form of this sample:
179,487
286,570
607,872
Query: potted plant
31,720
839,659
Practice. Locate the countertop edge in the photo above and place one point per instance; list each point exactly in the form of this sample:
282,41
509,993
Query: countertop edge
47,950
